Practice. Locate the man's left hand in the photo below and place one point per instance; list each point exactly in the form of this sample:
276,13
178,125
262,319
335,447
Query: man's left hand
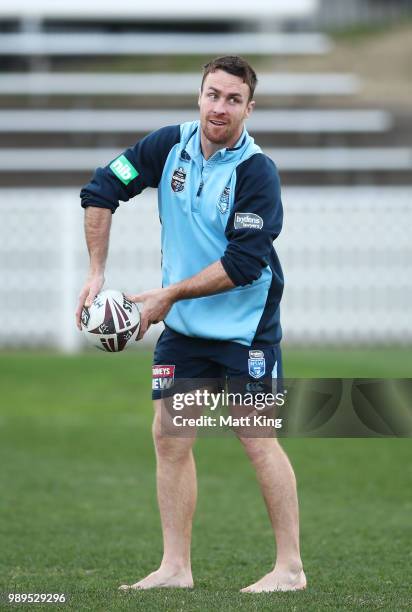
156,305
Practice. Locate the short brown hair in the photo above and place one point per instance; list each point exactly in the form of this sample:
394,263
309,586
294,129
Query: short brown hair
233,64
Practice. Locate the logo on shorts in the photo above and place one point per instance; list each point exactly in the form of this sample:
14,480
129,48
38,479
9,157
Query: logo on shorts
248,221
223,203
256,364
178,179
255,387
163,376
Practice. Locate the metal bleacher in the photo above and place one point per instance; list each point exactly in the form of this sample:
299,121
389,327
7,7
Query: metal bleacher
42,107
166,83
55,115
142,121
309,159
108,44
232,11
72,162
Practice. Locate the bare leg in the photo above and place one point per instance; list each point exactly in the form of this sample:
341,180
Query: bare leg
278,485
177,492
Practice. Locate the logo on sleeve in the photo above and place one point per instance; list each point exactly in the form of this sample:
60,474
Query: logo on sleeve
163,376
248,221
223,203
123,169
256,364
178,179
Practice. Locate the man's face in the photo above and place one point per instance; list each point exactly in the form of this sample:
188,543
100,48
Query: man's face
224,106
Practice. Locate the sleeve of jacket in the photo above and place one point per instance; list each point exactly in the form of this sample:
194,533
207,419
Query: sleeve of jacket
128,174
255,220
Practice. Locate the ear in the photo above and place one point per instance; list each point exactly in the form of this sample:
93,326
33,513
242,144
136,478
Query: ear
200,94
249,108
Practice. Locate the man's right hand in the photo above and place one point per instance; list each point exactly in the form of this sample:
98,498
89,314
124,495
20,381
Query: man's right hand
92,287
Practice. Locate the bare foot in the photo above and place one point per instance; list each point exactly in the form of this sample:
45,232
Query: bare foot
278,580
163,578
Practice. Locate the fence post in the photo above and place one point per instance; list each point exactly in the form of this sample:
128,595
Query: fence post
68,336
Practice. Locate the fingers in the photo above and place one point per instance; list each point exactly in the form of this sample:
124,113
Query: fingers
93,291
86,297
80,304
145,323
138,297
143,329
95,286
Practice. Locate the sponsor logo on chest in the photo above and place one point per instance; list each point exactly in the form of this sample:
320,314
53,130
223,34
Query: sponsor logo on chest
178,179
223,203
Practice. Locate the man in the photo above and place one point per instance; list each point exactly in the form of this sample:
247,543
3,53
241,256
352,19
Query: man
220,208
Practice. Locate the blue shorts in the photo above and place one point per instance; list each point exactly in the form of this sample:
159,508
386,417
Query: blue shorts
178,357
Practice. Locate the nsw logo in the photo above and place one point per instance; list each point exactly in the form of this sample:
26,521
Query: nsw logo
223,203
123,169
178,179
256,364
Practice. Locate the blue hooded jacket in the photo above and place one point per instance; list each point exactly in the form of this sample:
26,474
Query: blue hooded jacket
228,207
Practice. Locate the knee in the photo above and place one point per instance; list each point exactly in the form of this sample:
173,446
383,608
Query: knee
258,449
172,448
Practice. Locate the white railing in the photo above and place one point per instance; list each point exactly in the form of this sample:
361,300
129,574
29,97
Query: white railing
124,120
158,10
346,255
14,161
108,44
166,84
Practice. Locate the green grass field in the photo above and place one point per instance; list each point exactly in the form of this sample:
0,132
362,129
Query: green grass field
78,504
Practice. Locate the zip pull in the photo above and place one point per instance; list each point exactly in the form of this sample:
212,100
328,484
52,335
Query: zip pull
199,191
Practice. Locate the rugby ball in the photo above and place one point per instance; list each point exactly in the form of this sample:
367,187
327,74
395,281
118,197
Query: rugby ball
112,322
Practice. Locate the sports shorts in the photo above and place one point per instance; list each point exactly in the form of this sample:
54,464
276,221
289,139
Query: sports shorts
178,358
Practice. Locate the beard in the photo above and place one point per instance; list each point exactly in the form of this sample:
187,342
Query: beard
217,135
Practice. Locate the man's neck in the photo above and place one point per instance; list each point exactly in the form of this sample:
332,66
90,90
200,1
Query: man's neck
209,148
